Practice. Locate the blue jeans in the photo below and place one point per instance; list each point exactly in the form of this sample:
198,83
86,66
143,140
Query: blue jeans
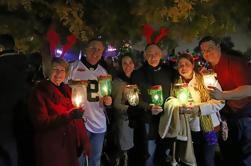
97,140
151,146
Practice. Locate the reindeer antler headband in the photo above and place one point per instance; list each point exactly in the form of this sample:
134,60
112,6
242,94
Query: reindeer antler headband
148,32
54,39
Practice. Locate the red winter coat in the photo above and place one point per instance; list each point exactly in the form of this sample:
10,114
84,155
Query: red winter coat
57,137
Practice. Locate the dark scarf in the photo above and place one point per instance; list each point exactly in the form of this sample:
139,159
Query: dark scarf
88,65
122,76
150,72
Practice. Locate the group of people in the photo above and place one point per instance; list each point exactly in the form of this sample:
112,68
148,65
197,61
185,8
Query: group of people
146,133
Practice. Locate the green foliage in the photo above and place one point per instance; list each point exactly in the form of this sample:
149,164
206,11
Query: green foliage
121,20
28,21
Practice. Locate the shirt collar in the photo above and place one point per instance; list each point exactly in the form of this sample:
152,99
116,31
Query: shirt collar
88,65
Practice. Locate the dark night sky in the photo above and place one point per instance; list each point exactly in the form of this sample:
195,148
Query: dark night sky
241,40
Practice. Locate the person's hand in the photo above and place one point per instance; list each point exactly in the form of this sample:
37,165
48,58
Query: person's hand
107,100
155,109
215,93
194,110
203,70
183,110
76,113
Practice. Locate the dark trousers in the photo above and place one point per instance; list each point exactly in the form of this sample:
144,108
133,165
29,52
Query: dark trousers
236,150
204,153
8,153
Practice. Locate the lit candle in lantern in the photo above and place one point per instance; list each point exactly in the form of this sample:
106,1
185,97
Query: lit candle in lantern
132,94
183,94
105,90
78,92
156,95
77,101
105,83
209,79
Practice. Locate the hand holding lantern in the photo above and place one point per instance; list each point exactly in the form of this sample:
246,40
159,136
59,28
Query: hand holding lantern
76,114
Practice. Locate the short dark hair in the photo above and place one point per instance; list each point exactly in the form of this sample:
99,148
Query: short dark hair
126,54
209,38
96,39
7,41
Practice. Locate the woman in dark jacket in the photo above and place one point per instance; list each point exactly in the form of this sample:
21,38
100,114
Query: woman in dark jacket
60,136
120,104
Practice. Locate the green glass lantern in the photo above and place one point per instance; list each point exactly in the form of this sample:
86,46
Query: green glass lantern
156,95
183,94
105,84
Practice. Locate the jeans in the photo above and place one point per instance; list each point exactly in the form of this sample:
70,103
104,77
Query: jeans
97,140
151,146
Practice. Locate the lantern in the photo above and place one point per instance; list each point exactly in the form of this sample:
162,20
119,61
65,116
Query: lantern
78,95
132,94
156,95
209,79
182,93
105,84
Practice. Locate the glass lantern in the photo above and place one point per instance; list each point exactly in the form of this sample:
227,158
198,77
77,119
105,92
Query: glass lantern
156,95
132,94
105,84
209,79
79,93
182,93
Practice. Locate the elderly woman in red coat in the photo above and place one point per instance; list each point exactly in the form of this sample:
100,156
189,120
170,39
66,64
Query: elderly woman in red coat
60,136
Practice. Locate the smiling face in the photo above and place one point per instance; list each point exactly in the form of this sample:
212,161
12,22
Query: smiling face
57,74
94,52
127,66
185,68
153,55
211,52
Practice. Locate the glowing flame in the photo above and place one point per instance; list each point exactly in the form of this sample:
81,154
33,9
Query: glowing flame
77,100
105,89
209,80
156,97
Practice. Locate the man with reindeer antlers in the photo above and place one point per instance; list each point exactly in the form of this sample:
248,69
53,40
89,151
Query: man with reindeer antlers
153,72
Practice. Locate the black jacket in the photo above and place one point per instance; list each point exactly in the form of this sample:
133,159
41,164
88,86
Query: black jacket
145,77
